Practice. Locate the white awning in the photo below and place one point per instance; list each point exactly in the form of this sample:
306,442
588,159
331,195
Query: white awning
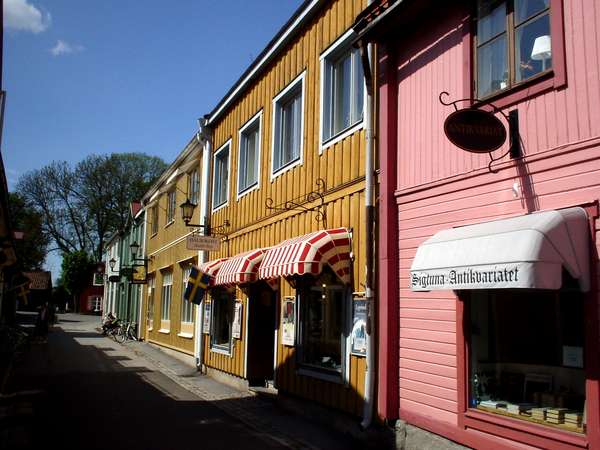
521,252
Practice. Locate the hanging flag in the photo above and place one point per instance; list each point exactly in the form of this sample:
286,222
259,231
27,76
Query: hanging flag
197,285
23,294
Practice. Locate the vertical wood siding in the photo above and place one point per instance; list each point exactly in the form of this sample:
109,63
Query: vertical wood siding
341,166
441,186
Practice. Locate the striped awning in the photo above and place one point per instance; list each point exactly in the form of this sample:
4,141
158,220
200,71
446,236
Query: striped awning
212,268
307,254
242,268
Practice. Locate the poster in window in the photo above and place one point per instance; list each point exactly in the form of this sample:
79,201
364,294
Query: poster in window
206,323
236,328
288,321
359,328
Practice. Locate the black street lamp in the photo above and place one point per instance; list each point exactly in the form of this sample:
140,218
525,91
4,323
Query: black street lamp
112,263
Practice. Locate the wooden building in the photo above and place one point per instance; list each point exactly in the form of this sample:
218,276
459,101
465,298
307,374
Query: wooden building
168,320
489,260
288,199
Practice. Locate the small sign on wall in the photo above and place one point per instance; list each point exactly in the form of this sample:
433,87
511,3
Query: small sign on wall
288,321
359,328
236,328
206,322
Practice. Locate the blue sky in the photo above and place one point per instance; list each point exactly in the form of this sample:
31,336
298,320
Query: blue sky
109,76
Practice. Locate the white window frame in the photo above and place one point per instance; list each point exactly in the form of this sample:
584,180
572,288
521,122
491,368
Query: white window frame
171,218
336,49
225,146
242,136
150,303
165,308
187,307
194,194
216,348
276,108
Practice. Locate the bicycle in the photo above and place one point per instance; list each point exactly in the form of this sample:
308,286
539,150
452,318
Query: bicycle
127,331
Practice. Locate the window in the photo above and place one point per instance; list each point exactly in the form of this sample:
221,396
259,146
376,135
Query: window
222,319
249,154
342,89
187,307
513,43
194,187
288,126
526,355
322,323
167,288
150,307
154,219
171,206
221,176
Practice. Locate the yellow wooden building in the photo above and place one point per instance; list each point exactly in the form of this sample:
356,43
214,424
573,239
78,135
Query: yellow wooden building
170,319
287,161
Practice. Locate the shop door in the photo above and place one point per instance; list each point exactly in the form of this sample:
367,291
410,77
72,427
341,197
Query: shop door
261,334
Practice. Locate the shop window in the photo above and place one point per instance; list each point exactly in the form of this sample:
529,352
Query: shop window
249,155
322,323
187,307
343,87
222,318
526,356
221,177
513,43
288,126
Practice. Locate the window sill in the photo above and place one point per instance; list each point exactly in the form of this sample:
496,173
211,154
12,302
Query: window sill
153,234
522,91
164,331
221,206
247,190
329,142
186,335
168,224
221,351
333,377
284,169
521,430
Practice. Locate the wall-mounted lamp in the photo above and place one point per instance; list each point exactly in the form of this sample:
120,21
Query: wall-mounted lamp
112,263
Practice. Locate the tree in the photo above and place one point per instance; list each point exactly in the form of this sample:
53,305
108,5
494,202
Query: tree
82,205
76,274
32,249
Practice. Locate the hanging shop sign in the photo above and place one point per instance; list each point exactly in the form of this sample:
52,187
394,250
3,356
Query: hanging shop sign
288,321
359,328
207,243
139,274
236,327
475,130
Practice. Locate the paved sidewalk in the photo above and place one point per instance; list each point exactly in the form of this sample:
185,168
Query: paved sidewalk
265,415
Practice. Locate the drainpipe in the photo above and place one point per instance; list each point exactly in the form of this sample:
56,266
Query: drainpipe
141,315
204,138
370,375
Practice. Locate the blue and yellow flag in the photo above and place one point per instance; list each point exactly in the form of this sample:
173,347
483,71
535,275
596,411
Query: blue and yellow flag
196,286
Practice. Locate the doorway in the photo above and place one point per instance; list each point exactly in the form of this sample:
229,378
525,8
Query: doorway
262,314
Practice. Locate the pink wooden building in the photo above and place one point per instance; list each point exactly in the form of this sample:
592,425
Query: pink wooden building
488,297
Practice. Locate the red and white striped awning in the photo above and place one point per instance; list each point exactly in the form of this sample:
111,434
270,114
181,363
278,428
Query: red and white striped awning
307,254
242,268
212,268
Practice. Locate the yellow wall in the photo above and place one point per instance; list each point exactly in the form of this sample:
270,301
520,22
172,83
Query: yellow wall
342,168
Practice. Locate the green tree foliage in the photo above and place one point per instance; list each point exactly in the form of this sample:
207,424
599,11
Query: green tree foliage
76,273
31,250
82,205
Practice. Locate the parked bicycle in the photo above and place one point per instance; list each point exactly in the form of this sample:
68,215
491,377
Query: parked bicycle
127,331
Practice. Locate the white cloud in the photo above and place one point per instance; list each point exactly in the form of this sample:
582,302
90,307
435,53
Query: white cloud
22,16
64,48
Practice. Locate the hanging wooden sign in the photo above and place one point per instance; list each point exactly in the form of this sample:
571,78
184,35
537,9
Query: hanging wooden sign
475,130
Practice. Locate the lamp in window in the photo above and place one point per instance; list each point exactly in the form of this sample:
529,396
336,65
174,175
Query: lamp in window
542,50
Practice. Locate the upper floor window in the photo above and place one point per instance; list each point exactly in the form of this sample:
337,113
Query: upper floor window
221,176
342,89
171,206
288,122
513,43
249,154
194,187
154,219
